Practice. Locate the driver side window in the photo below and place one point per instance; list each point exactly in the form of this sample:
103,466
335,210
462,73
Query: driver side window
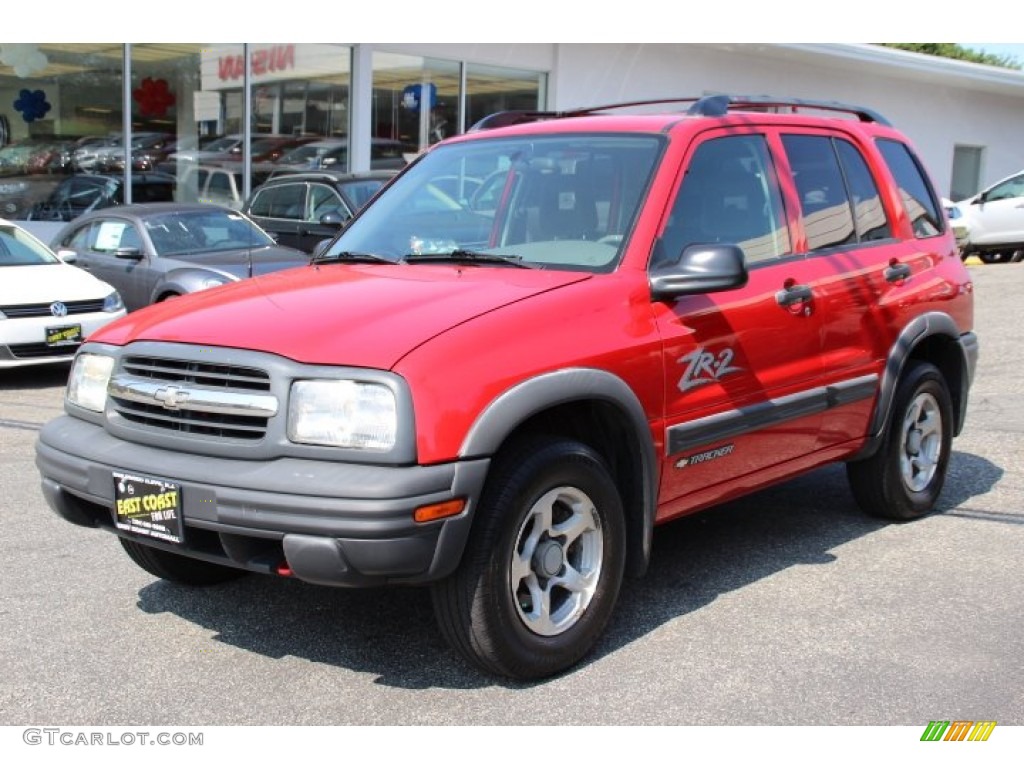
729,194
1007,190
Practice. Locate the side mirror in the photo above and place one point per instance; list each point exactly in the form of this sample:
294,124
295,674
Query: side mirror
67,255
128,253
334,219
321,247
700,269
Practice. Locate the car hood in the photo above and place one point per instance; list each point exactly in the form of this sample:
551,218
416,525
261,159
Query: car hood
45,283
368,316
236,263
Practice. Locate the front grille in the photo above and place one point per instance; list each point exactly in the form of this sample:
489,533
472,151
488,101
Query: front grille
152,385
200,373
192,422
43,310
28,351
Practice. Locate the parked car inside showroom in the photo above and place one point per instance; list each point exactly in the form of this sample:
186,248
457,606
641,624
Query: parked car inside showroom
85,192
47,307
991,223
156,251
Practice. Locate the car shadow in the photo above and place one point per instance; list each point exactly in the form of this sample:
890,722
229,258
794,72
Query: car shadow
390,633
35,376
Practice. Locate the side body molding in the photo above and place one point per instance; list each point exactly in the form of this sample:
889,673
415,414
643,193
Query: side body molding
571,385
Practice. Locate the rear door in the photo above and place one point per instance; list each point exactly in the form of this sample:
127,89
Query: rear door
869,256
742,366
280,210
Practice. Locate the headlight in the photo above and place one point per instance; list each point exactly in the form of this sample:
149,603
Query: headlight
87,382
344,414
113,303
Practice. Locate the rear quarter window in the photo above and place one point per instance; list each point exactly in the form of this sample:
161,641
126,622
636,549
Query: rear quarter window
919,199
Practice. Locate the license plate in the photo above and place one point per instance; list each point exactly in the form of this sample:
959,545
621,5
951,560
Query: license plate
64,334
148,507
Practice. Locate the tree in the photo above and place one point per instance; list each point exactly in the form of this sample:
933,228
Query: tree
957,51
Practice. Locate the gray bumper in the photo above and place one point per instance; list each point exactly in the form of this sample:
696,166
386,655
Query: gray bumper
330,523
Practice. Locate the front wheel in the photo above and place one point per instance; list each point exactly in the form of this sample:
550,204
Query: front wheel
543,566
903,479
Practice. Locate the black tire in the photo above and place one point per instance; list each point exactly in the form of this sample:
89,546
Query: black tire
904,478
1017,256
489,610
178,568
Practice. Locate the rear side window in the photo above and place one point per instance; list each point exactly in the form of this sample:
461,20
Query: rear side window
918,196
868,211
828,221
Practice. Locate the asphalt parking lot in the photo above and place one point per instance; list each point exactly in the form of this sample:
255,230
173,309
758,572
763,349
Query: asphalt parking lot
787,608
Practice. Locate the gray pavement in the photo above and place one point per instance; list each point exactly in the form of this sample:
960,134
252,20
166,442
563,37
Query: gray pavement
787,608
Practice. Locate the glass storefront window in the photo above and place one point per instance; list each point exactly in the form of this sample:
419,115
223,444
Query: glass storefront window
415,100
62,118
59,103
496,89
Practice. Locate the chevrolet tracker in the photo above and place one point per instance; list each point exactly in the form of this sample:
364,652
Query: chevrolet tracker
541,340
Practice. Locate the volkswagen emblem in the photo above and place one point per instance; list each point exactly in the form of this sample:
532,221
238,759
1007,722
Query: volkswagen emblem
58,309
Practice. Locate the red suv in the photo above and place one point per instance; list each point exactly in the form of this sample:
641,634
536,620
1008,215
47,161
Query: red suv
500,383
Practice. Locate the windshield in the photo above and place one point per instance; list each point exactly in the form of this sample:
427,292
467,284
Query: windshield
564,202
189,233
224,144
18,249
310,152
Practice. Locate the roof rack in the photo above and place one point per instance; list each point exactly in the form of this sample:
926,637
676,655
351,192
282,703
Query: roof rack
720,103
714,105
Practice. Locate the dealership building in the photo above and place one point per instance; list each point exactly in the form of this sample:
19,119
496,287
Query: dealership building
387,101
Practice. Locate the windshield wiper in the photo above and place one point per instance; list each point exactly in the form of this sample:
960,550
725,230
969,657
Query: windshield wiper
462,256
353,257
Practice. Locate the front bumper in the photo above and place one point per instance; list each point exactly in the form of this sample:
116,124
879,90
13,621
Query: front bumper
325,522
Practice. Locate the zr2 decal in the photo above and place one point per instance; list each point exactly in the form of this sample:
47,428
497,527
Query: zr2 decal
703,367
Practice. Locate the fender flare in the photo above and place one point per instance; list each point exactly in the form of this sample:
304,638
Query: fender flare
528,398
928,325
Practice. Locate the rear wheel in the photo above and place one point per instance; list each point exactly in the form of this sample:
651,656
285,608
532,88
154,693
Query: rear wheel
903,479
543,566
178,568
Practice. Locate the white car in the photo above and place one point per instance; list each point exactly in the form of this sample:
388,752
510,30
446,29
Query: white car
991,224
47,307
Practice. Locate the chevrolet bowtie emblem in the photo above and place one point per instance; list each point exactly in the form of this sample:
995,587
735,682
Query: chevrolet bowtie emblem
172,398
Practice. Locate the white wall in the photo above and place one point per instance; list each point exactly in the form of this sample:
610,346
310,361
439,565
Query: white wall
932,107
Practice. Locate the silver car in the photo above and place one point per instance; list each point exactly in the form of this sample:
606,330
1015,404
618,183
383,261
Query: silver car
155,251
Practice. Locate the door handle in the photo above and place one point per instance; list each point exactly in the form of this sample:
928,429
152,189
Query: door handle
896,272
793,294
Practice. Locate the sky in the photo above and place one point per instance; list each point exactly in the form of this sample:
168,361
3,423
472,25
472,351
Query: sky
1000,49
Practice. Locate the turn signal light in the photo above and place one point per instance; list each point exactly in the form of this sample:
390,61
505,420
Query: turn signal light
439,511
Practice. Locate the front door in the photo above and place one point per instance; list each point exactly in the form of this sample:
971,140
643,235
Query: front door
742,366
